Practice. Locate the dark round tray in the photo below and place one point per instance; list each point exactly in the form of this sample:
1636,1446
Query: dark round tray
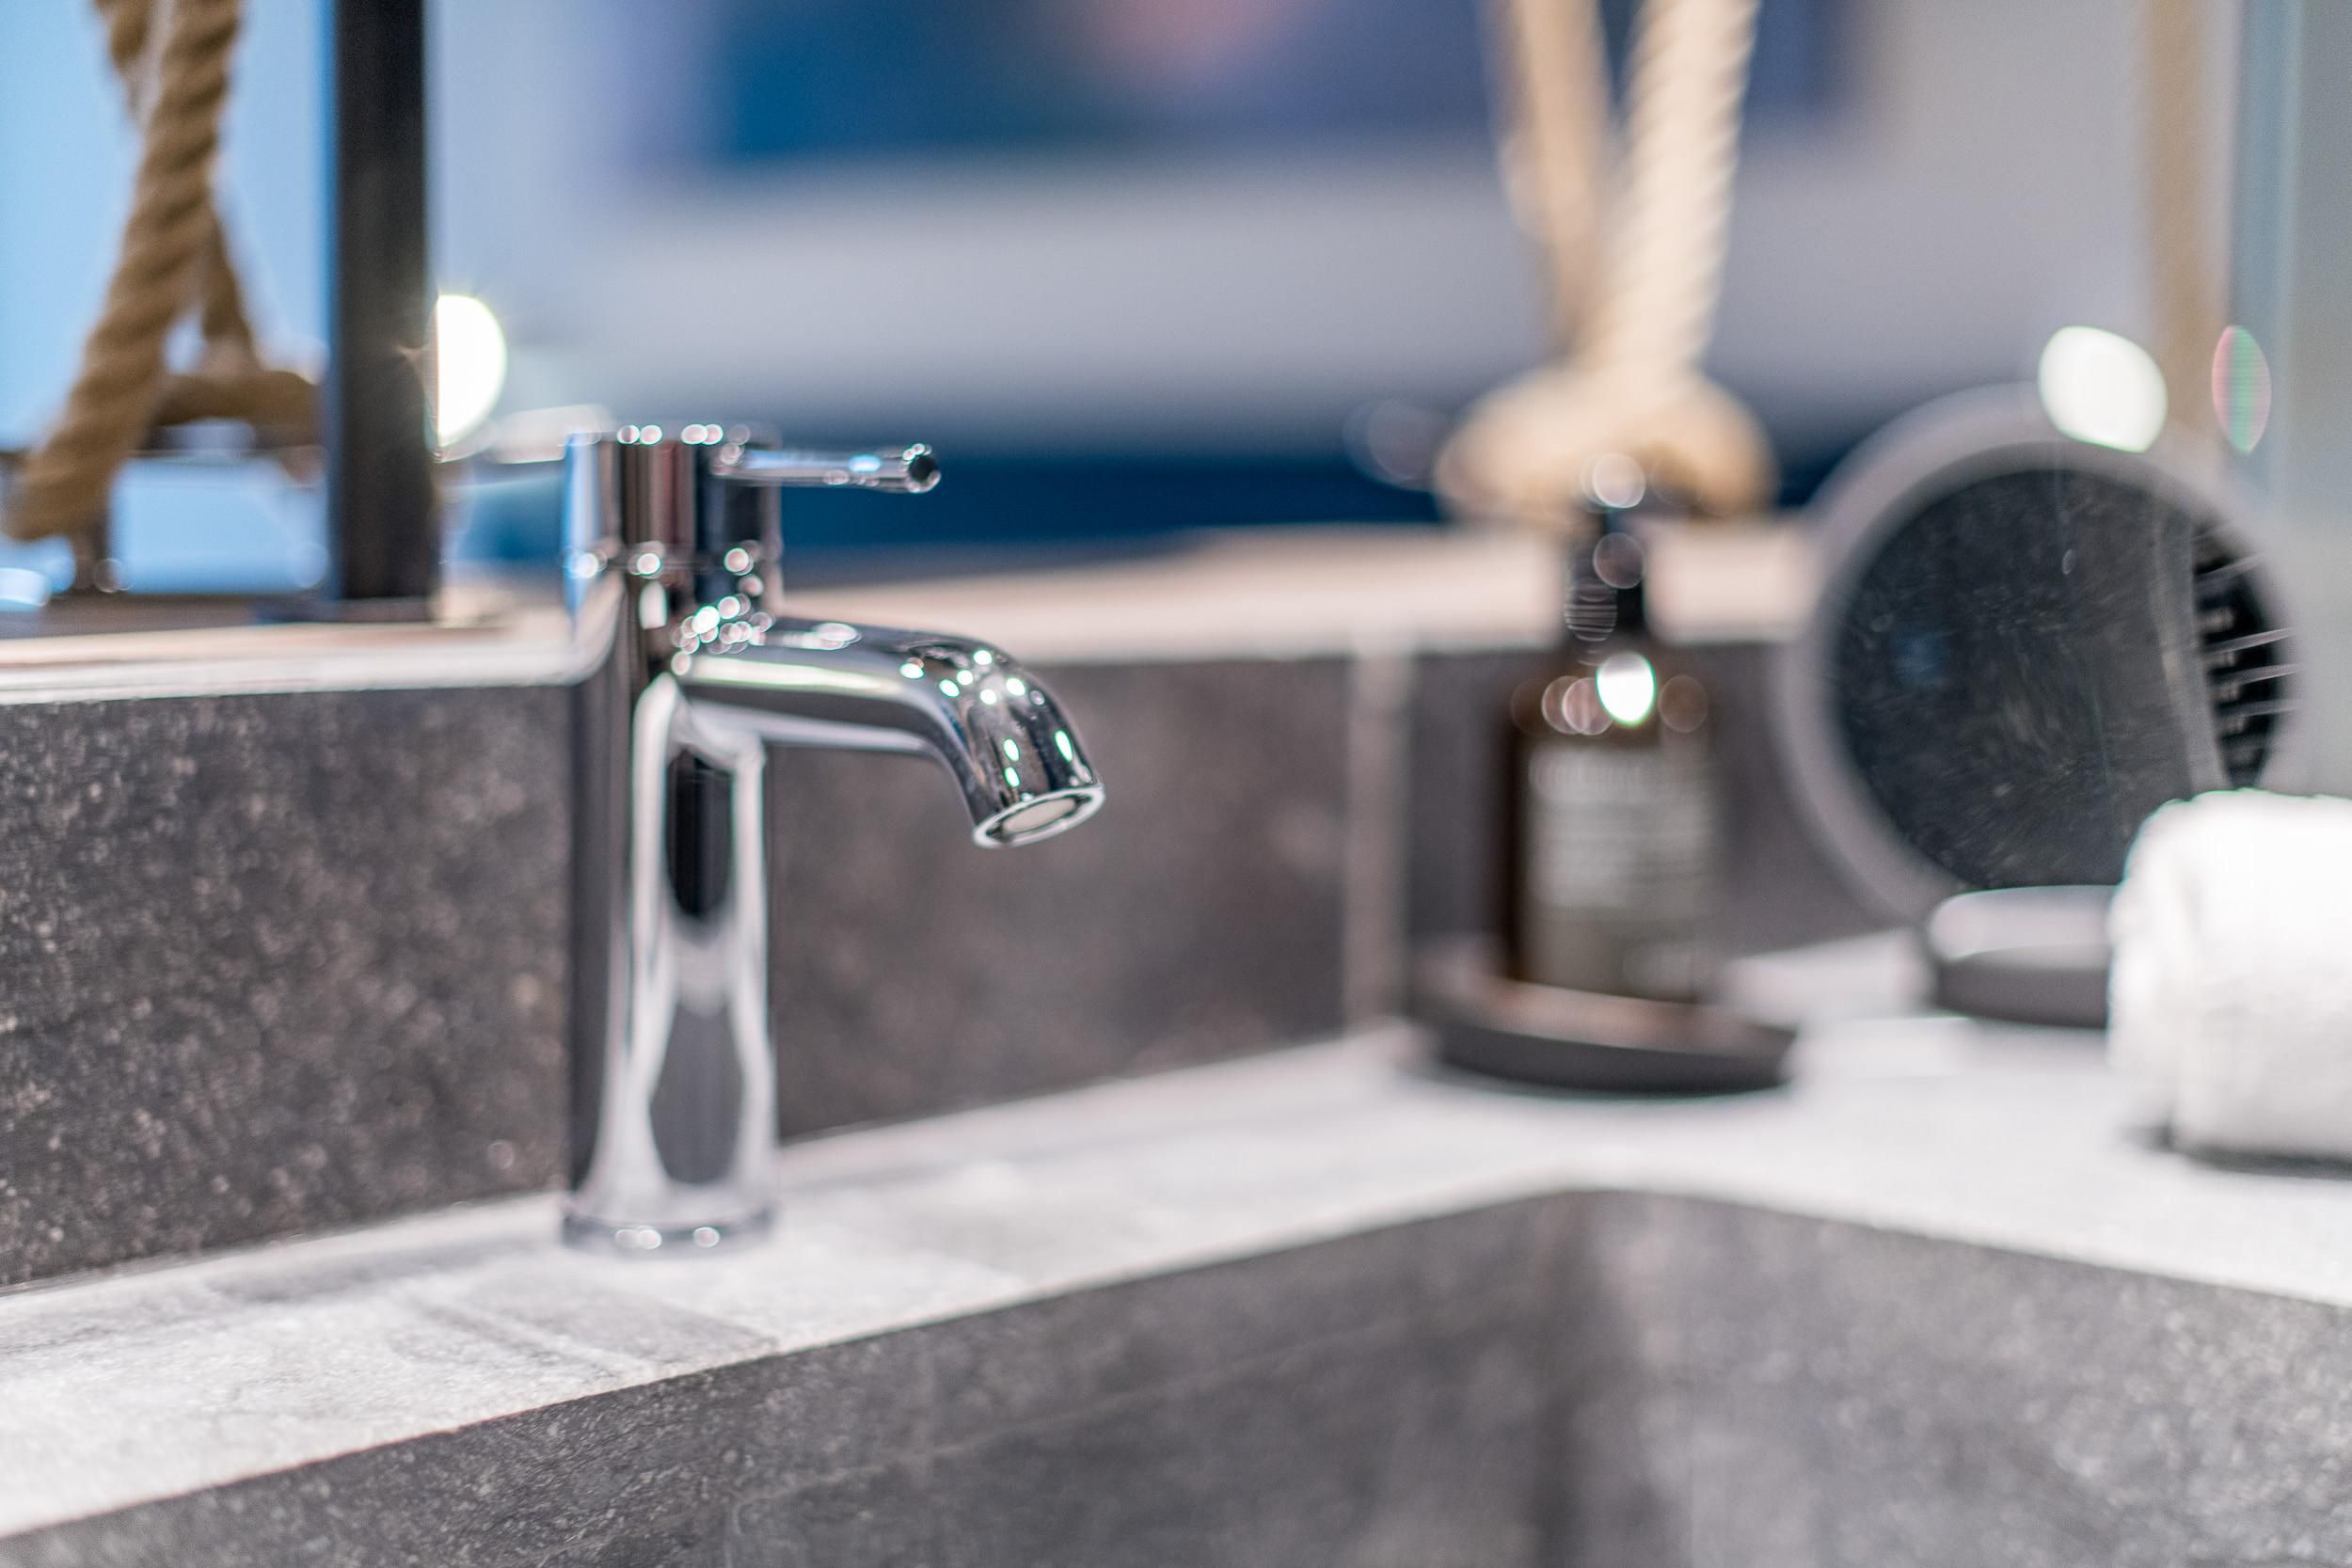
1488,1023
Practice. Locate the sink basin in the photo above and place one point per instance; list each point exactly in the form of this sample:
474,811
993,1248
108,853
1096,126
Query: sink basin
1317,1308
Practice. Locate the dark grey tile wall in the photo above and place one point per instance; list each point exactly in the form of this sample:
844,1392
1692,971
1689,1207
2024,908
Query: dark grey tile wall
273,964
1455,752
1199,916
1383,1401
1779,890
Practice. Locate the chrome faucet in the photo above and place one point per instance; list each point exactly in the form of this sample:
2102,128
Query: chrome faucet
674,541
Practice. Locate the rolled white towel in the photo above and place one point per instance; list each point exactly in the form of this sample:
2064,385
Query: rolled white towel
2231,994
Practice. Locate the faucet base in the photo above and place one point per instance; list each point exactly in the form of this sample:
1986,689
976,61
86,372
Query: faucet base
591,1234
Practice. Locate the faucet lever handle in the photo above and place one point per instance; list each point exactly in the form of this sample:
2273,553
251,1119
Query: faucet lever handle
694,498
902,470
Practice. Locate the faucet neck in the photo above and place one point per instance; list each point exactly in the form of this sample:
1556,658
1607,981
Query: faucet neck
659,507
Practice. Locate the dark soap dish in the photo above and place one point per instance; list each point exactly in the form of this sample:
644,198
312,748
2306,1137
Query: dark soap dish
1486,1023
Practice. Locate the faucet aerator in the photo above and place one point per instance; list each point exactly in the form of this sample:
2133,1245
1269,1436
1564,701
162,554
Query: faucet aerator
1034,821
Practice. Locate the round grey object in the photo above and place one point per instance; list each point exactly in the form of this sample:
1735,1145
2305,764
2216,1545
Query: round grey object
1958,526
2026,954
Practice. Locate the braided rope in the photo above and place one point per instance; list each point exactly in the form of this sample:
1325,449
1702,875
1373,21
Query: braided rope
1682,147
1556,149
223,324
1631,383
173,57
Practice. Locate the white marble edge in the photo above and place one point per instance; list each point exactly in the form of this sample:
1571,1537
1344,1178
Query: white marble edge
501,643
152,1381
1266,593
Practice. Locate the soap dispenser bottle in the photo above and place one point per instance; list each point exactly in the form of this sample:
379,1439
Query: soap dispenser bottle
1613,827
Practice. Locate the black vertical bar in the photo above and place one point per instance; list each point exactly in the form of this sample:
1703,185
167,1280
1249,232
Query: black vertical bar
383,522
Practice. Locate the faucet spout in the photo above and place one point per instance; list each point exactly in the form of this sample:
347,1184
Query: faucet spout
1012,753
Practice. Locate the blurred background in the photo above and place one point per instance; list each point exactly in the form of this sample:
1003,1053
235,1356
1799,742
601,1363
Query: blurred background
1133,265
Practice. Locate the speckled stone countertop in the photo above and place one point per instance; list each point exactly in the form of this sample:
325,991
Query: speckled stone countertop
152,1383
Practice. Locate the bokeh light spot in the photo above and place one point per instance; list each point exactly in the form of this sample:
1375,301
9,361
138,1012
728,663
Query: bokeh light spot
2241,388
470,358
2102,387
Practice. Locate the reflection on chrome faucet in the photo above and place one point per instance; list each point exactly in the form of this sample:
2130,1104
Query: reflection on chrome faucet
690,675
